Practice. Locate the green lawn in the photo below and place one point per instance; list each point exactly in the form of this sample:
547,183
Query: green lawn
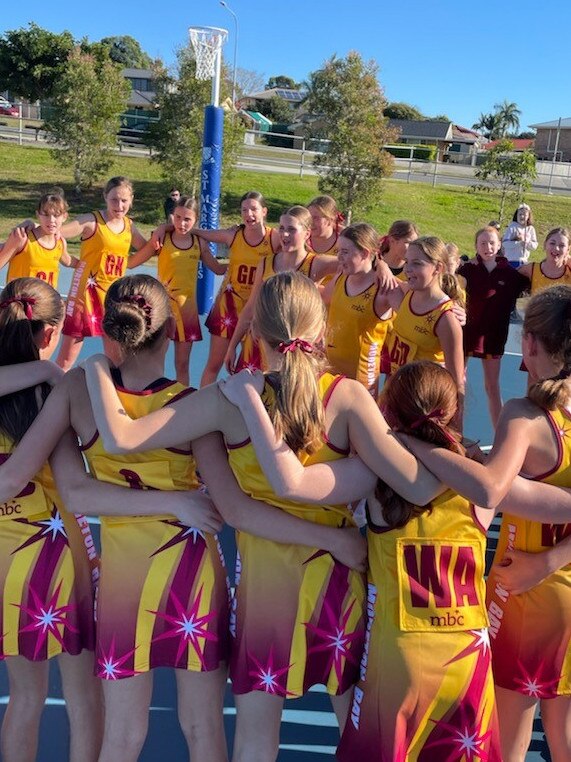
454,213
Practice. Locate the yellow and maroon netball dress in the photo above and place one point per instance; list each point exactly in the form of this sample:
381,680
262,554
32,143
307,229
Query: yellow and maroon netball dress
163,595
37,261
238,281
531,632
45,573
178,271
426,690
251,356
103,260
298,614
355,333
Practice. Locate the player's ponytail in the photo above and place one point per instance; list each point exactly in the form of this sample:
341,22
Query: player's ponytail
136,312
290,318
548,319
27,305
420,399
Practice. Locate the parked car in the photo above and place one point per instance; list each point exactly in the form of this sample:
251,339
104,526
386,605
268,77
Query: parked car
7,109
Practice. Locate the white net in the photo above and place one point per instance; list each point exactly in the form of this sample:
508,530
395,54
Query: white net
206,42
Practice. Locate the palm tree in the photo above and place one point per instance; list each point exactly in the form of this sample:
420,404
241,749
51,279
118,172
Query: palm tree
488,124
508,115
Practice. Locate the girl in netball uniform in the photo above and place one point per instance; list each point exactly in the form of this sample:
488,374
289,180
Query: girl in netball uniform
326,224
359,314
554,270
247,244
307,594
531,632
425,327
38,251
179,256
426,687
45,574
106,239
492,287
294,232
395,243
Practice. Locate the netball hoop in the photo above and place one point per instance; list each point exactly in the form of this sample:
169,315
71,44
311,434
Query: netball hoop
206,43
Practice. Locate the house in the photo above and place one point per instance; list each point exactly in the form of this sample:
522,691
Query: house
465,145
252,101
453,142
141,102
519,144
546,139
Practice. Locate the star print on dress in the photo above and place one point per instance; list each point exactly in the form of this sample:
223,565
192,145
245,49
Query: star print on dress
183,535
53,526
268,678
110,667
481,643
47,618
189,626
335,639
535,685
468,743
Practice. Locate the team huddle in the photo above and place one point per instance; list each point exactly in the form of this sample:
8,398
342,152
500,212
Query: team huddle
350,413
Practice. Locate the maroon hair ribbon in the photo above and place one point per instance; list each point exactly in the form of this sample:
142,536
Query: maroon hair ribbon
26,302
434,414
142,303
291,344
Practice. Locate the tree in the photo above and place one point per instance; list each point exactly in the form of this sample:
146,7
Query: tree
247,81
286,83
32,60
399,110
83,123
507,115
497,124
348,101
125,50
176,138
276,109
488,125
508,173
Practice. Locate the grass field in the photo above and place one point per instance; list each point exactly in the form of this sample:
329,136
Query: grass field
452,212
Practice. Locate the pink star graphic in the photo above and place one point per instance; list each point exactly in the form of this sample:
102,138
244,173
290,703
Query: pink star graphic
470,742
53,526
535,685
109,667
183,535
480,644
187,625
47,618
267,677
336,639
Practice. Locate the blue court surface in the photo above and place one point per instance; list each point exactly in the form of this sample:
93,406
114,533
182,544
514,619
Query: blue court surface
309,729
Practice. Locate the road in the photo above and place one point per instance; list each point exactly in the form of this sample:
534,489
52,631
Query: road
267,159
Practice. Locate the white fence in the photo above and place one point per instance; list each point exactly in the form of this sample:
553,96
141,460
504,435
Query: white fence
257,155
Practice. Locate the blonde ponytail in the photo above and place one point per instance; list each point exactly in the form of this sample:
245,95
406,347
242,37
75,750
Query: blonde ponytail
290,318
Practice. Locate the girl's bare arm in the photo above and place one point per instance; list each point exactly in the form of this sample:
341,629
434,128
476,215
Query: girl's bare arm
85,495
267,521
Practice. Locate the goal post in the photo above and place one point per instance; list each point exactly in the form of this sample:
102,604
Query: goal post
207,42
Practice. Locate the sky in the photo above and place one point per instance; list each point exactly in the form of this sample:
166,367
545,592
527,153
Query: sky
445,56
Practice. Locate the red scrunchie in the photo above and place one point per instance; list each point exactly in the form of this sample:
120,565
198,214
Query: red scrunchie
26,302
291,344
